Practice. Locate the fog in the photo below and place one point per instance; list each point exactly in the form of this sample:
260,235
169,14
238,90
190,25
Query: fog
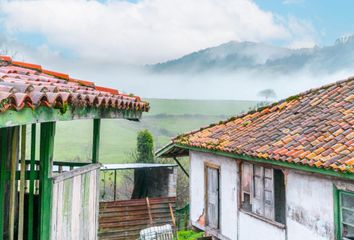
239,85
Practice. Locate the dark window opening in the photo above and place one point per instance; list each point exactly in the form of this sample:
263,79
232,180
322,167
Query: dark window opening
263,192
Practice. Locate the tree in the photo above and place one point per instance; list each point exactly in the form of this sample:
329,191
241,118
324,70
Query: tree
145,146
267,93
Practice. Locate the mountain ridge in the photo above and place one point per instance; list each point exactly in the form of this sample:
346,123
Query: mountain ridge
234,56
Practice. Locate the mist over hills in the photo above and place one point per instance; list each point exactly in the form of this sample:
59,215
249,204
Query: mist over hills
250,56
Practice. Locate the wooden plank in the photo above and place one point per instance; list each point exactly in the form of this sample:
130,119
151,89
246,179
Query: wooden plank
92,207
59,219
85,188
66,209
46,161
75,172
31,182
22,183
149,210
172,215
55,209
96,140
13,166
4,157
75,209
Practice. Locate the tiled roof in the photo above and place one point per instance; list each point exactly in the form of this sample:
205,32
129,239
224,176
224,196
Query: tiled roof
28,85
314,128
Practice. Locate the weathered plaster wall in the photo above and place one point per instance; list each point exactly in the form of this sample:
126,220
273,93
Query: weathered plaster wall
228,184
310,213
309,204
253,228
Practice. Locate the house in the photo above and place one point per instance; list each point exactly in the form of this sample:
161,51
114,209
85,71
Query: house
282,172
41,198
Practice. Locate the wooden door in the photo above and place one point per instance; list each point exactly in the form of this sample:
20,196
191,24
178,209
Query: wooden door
212,195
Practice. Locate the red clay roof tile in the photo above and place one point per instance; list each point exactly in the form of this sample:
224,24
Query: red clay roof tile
26,84
314,128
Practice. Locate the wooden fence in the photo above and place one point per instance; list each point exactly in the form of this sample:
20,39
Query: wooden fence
125,219
75,202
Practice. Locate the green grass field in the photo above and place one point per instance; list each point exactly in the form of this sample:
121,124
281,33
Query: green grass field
166,119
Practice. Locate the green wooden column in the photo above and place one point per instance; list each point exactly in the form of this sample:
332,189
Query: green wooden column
96,140
45,188
31,183
13,166
3,159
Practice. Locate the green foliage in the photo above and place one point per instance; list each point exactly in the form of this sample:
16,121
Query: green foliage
189,235
64,108
167,119
145,147
295,97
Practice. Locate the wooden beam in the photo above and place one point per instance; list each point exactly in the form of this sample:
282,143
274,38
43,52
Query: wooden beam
42,114
3,159
96,140
45,187
31,182
13,166
22,184
75,172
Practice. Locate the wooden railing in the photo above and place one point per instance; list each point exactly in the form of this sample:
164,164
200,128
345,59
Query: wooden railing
75,204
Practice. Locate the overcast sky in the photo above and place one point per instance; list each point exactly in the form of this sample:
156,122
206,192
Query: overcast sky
75,35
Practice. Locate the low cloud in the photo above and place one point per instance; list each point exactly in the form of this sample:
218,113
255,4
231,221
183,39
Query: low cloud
148,31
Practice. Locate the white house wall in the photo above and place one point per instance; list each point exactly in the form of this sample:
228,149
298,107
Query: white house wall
253,228
309,204
228,185
310,213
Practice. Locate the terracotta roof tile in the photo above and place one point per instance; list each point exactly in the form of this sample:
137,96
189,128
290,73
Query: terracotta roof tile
314,128
28,85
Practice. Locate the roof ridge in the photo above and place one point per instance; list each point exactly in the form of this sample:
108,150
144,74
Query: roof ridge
271,105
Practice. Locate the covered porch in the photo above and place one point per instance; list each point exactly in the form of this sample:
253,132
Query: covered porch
41,198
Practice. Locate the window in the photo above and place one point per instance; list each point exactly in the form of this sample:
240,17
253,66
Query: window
346,201
262,189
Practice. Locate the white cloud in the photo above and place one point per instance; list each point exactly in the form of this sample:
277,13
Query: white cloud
302,33
148,31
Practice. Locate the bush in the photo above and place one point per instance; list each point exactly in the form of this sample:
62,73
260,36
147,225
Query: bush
189,235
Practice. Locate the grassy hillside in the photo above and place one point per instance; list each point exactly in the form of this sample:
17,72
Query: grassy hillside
166,119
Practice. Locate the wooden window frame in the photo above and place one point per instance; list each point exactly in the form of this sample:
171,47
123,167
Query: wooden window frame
338,215
216,167
241,193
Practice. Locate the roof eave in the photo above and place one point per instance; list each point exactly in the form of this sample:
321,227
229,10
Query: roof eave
179,150
41,114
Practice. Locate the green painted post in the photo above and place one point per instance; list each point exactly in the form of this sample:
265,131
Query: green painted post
45,187
31,182
3,160
21,205
96,140
13,190
337,227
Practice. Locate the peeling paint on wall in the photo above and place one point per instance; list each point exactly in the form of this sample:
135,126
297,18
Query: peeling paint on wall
201,219
314,223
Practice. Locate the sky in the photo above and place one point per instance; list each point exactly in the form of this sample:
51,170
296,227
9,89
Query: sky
100,39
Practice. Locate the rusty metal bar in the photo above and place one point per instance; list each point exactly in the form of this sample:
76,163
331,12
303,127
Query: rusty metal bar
115,185
180,165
